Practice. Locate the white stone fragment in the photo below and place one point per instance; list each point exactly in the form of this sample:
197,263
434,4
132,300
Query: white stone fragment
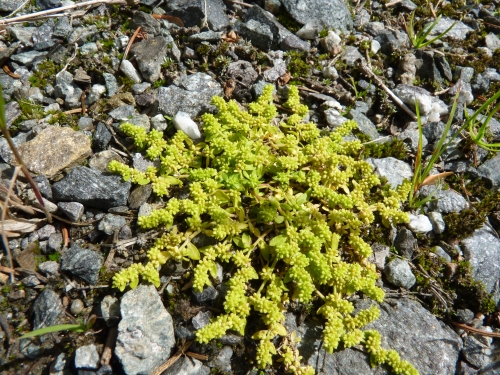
420,224
183,122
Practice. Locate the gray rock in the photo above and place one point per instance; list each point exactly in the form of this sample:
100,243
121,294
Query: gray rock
139,88
123,112
42,37
95,94
364,124
191,94
45,231
223,360
150,54
458,32
82,35
411,136
465,316
47,309
83,263
389,43
110,310
129,70
76,307
8,5
141,346
111,84
405,243
310,30
476,353
22,34
278,69
140,163
141,121
43,184
398,273
428,105
27,58
492,74
480,84
62,28
482,251
85,123
201,319
443,254
110,223
396,171
139,195
192,13
405,326
208,294
146,21
87,357
187,366
102,136
446,200
206,36
351,56
72,210
379,255
92,188
258,33
490,171
54,243
291,42
48,4
230,339
361,18
438,224
30,281
49,268
333,13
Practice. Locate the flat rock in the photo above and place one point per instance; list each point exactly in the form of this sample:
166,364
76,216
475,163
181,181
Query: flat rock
145,333
405,243
405,326
193,12
364,124
490,171
54,149
187,366
446,201
396,171
86,357
149,54
191,94
83,263
72,210
457,32
92,188
482,251
46,309
333,13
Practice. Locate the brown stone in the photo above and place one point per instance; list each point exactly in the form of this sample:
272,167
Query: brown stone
54,149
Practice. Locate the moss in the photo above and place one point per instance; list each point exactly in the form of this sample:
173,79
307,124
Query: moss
54,256
107,45
159,83
297,65
203,49
44,73
29,111
126,82
288,22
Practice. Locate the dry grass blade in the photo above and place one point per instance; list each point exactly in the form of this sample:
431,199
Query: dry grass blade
476,331
184,346
7,70
14,226
50,12
130,43
430,180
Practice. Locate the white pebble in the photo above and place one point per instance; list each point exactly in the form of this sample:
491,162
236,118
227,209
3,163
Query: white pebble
183,122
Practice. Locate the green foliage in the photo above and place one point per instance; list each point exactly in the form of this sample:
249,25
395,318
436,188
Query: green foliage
43,74
80,327
297,64
396,148
286,206
419,40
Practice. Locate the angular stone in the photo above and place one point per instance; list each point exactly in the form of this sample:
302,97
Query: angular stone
490,171
457,32
87,357
482,251
146,21
398,273
110,223
333,13
364,124
92,188
419,223
47,309
139,195
83,263
145,333
54,149
405,243
72,210
446,201
27,58
150,54
192,13
396,171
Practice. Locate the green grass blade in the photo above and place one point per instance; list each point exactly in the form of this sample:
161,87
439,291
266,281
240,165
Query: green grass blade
56,328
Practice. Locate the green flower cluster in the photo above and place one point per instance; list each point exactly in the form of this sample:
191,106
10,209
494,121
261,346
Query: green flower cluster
278,193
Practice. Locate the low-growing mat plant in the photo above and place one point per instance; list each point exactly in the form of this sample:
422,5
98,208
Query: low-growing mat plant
286,207
419,39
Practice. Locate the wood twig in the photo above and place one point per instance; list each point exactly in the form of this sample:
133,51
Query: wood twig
109,347
5,207
365,69
475,330
69,61
184,346
49,12
392,3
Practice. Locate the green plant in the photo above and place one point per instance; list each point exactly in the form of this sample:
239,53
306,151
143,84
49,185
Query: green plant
80,327
419,39
478,135
286,207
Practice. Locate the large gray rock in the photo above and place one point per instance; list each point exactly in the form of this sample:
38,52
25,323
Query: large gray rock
83,263
429,345
444,201
149,54
458,32
46,309
193,12
490,171
334,13
145,333
396,171
92,188
482,251
191,94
